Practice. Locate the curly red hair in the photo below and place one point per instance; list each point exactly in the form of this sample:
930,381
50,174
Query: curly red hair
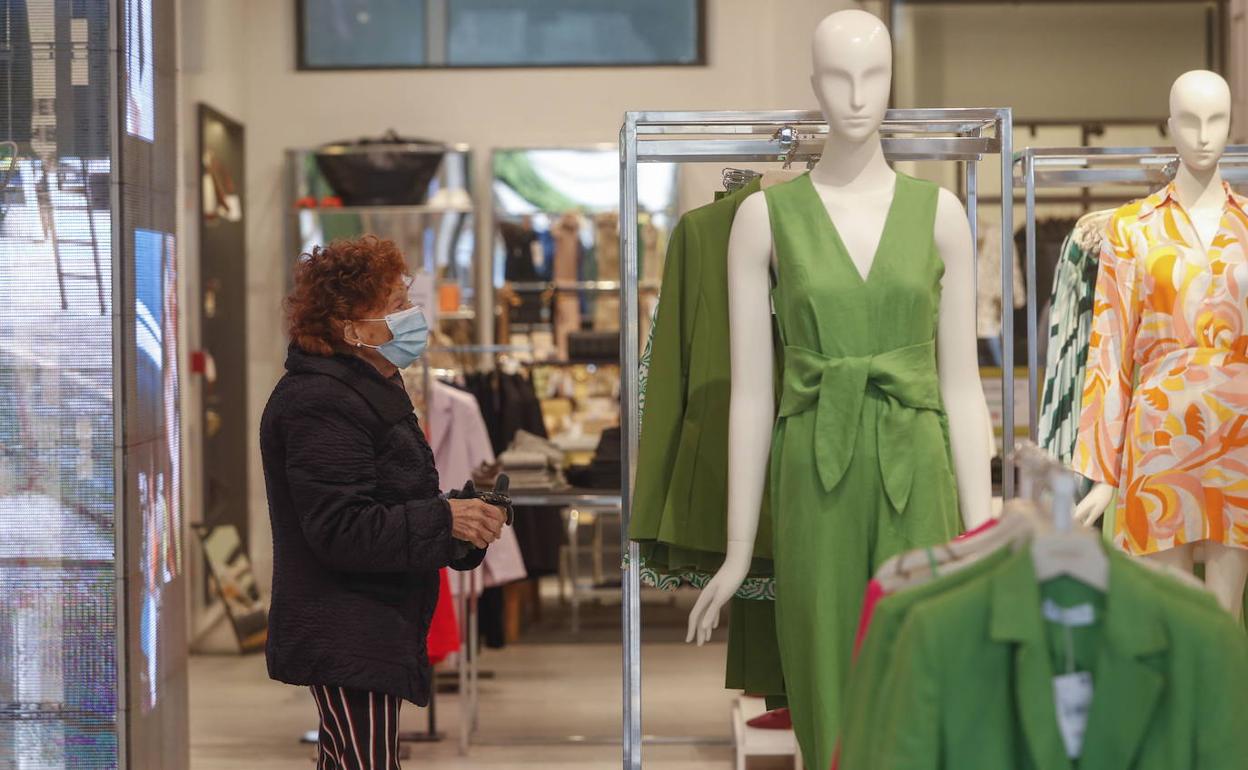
337,283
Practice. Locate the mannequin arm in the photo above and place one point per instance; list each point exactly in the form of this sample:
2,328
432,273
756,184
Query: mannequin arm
958,364
1093,505
751,412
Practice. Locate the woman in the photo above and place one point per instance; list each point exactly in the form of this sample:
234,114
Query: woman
359,527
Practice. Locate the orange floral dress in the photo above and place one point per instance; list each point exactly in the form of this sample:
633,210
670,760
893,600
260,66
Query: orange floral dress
1165,402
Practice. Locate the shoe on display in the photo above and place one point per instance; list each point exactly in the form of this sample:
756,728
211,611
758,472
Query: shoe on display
776,719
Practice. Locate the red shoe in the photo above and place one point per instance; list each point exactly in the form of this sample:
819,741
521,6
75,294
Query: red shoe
779,719
331,202
306,202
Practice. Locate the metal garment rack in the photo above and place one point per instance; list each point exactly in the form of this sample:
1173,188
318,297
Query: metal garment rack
1056,167
962,135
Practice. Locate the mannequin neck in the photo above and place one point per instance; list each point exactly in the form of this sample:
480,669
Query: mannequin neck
856,165
1198,190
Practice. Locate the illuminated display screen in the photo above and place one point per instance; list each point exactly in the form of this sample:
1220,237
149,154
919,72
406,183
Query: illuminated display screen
155,603
90,505
140,86
58,572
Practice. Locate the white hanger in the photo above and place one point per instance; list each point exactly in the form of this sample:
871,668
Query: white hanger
1069,551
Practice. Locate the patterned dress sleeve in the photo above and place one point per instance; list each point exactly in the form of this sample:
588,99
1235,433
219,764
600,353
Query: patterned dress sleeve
1062,391
1108,381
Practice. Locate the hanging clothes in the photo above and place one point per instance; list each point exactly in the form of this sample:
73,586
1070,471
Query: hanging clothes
975,654
460,445
509,404
861,467
567,310
1070,331
444,627
988,283
1172,315
681,487
679,511
1050,236
606,312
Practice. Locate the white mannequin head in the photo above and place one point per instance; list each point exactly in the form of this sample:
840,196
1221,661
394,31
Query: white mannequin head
852,72
1200,118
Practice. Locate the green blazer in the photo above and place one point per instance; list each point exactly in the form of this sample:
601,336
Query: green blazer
971,687
679,503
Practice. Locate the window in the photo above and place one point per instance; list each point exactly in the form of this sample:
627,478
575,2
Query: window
399,34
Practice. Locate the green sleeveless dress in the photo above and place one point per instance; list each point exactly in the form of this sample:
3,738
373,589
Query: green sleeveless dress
860,462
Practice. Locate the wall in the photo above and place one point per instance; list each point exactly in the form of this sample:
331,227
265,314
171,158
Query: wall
1051,61
213,70
759,59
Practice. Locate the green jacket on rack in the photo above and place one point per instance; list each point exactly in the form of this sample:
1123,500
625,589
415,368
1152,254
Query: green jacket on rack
679,507
971,682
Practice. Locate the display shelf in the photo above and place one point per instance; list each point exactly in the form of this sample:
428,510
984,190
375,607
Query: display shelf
463,314
394,210
579,286
566,498
758,741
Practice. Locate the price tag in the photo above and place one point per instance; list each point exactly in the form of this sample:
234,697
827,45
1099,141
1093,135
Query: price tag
1080,616
1073,695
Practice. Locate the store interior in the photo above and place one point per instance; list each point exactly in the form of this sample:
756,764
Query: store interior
552,172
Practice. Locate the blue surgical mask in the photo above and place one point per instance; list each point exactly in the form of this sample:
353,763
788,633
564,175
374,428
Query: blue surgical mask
410,332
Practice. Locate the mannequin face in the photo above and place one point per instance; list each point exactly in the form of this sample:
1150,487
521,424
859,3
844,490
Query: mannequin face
852,73
1200,118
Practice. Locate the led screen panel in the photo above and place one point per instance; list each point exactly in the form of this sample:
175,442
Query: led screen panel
154,554
59,694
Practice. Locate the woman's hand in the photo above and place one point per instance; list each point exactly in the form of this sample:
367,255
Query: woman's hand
476,522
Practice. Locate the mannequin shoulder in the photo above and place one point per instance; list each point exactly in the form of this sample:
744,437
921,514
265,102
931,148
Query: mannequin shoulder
952,229
750,240
949,209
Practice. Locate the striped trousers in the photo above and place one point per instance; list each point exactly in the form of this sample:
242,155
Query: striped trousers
359,729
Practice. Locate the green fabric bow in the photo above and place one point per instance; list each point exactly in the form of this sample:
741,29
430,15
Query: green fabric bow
836,388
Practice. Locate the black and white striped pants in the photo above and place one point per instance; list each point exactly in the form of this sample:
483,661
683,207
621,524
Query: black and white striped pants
359,729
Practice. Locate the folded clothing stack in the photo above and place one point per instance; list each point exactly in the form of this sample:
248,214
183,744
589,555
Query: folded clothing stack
604,471
532,462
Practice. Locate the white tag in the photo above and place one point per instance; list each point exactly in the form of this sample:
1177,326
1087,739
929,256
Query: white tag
1073,695
1079,616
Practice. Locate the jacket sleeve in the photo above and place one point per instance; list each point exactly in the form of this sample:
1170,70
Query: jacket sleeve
664,395
908,737
1108,381
331,471
1222,743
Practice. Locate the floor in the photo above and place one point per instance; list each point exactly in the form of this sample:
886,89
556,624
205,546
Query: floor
240,720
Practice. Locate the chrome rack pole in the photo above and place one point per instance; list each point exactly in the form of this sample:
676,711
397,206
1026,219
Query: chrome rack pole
1033,355
630,375
1005,131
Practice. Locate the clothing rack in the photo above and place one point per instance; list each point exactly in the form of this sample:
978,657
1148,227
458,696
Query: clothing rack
959,135
1036,167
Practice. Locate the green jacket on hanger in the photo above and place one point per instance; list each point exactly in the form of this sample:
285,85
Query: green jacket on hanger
680,497
971,685
679,507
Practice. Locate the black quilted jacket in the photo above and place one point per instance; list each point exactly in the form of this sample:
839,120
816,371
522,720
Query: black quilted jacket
359,529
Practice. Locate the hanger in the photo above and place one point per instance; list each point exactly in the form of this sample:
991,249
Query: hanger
736,178
921,565
1065,550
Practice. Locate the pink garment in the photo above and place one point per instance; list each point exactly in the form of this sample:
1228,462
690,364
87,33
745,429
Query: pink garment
460,444
457,434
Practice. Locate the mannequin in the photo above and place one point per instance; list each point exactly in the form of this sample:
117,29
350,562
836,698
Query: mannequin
1200,109
852,69
855,183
